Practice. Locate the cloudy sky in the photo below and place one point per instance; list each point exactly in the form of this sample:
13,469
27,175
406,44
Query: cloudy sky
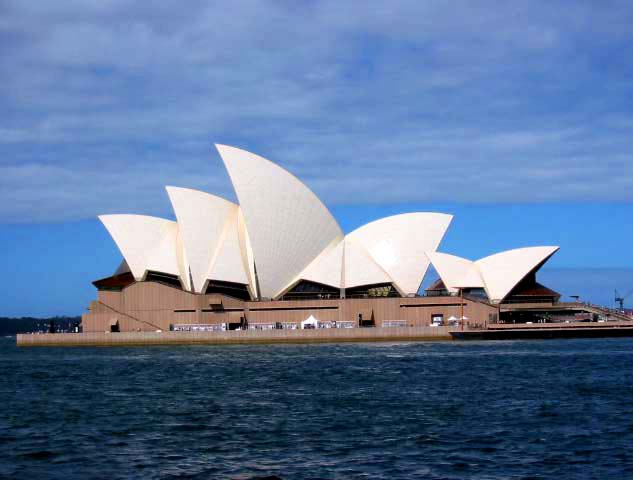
510,110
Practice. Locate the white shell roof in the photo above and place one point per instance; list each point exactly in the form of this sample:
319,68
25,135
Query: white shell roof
246,251
327,268
229,264
455,272
501,272
284,231
147,243
287,224
389,250
209,229
398,244
360,268
498,274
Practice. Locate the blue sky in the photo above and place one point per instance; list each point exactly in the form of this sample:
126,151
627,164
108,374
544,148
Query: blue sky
517,117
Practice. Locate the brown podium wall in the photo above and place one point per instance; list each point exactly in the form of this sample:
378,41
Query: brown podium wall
150,306
325,335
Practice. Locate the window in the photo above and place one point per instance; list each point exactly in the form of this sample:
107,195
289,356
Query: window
230,289
307,290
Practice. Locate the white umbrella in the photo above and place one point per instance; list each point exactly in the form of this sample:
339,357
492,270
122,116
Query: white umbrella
452,318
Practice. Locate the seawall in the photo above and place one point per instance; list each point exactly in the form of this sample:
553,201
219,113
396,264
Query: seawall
329,335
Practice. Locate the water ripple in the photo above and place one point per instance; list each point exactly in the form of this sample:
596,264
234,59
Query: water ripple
551,409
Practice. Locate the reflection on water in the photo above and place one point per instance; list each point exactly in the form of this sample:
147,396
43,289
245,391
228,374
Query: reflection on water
550,409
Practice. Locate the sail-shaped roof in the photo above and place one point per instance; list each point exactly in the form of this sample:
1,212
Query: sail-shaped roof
398,244
148,243
360,268
501,272
287,224
498,274
229,264
281,233
208,225
327,267
455,272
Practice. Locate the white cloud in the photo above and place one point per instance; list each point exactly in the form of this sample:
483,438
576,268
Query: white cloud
106,102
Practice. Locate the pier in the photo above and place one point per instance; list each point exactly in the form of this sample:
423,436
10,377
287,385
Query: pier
325,335
333,335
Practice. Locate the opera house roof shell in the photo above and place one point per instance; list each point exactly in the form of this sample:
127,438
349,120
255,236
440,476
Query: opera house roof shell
280,234
497,274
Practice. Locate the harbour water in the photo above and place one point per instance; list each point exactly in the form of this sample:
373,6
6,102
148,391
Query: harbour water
494,410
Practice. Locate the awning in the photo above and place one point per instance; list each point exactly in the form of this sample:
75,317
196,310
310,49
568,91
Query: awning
311,320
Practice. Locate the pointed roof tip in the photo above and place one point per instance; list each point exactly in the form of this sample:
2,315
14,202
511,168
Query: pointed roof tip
437,253
447,216
172,189
552,250
131,217
106,216
532,247
235,156
224,149
230,156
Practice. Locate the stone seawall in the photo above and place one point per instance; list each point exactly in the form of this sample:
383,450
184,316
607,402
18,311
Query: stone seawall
397,334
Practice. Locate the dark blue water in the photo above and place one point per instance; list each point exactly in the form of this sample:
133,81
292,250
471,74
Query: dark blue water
550,409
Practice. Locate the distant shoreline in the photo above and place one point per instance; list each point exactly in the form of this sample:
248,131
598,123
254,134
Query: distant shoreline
16,325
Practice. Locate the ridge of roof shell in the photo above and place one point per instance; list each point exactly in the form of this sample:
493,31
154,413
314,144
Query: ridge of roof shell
327,268
360,268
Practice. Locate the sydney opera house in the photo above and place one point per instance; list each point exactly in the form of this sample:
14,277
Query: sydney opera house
279,260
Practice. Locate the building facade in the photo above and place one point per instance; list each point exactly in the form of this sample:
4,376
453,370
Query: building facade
279,257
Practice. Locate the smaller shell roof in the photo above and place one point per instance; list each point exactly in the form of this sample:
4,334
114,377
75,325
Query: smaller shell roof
398,244
498,274
209,229
502,271
147,243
